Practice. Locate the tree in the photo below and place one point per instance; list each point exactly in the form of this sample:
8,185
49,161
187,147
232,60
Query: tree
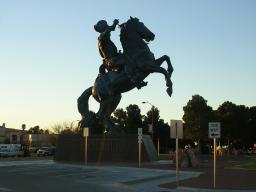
36,130
95,126
161,130
120,118
64,128
252,125
197,115
134,119
152,117
234,123
23,127
163,134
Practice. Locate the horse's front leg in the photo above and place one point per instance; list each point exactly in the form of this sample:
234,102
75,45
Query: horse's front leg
152,68
165,58
158,63
167,77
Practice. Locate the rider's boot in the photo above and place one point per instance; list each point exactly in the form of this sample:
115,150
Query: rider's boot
141,84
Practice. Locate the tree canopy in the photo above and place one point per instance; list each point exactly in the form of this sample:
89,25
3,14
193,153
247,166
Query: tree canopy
197,115
238,122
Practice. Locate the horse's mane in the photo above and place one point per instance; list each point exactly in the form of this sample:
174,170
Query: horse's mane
129,21
124,27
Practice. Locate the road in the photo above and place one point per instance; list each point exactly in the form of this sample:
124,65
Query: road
46,175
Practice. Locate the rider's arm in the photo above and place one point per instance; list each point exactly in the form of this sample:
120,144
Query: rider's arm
113,27
106,33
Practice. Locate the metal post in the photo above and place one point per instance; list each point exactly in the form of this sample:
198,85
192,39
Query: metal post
86,134
177,156
214,163
152,121
86,151
158,146
139,154
177,162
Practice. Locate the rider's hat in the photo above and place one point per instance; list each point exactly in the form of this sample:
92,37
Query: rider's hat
101,26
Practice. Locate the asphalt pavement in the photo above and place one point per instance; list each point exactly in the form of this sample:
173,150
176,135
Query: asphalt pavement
46,175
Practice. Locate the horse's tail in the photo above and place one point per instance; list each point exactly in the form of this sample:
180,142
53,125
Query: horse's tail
82,103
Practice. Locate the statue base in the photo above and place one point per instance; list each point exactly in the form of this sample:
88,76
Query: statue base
104,148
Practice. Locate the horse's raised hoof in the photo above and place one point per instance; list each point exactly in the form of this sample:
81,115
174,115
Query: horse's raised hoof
169,91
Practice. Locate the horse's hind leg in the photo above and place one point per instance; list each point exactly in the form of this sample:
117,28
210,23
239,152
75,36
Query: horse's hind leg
165,58
113,129
106,108
158,69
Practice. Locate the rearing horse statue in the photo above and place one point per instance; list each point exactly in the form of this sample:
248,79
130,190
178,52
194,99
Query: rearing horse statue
139,62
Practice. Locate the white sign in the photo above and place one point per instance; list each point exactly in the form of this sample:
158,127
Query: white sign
140,139
86,132
176,129
214,130
139,131
139,135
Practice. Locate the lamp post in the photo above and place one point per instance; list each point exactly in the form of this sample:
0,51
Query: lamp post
152,119
152,123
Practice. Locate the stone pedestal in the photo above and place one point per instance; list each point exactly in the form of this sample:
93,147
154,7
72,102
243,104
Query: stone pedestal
104,148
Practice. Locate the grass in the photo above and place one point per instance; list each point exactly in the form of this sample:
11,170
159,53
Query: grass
248,164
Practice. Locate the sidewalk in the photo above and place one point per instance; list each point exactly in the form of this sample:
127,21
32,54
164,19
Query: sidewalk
226,179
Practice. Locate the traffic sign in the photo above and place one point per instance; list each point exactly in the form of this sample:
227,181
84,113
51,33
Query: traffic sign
139,131
139,135
214,130
176,129
86,132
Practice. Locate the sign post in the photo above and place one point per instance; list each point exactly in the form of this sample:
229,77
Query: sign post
158,146
214,132
139,142
86,134
177,133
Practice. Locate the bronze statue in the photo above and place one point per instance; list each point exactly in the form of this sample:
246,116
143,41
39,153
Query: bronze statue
125,71
107,48
112,60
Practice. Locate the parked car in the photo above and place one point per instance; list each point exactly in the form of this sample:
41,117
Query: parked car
10,153
46,151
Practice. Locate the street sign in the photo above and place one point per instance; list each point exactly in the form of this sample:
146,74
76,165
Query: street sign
139,131
177,133
214,130
139,139
214,133
176,129
86,132
139,135
139,143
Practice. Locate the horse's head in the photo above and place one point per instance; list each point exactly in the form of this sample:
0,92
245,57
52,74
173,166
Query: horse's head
139,27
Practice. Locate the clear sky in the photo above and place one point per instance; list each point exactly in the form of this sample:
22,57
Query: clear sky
49,55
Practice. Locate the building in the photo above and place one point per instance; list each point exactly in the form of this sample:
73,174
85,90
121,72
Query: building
18,136
39,140
10,135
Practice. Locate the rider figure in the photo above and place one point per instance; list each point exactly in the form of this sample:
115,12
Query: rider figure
112,60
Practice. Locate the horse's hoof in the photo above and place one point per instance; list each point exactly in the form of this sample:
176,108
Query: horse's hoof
169,91
168,84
